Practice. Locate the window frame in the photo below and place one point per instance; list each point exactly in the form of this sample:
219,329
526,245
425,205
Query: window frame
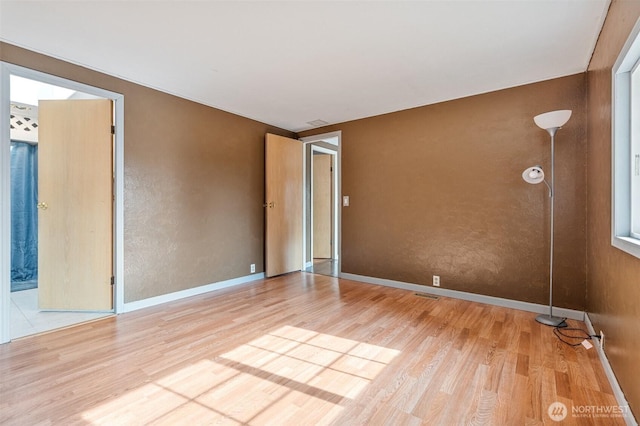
625,144
634,151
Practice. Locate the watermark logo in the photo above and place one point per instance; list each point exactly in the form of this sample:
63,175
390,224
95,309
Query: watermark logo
600,411
557,411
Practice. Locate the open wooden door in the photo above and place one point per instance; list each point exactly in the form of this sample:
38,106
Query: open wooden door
322,206
75,202
283,192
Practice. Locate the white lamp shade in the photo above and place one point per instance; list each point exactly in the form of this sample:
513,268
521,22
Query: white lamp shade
533,175
553,119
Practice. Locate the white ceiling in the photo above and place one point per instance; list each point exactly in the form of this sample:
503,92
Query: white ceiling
288,63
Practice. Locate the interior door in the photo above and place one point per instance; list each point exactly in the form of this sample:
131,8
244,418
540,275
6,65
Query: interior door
75,196
322,206
283,205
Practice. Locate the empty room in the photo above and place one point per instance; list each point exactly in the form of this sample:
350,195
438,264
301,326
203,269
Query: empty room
322,212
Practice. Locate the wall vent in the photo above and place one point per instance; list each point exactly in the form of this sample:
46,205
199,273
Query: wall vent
428,296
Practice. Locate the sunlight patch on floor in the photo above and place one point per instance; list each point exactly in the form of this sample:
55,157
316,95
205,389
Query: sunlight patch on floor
290,375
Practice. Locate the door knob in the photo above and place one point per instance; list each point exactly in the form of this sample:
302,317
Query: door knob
42,206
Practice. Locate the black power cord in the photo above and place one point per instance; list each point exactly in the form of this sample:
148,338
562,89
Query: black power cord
566,337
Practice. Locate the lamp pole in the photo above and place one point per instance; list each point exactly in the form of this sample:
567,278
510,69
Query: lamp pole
551,122
552,195
550,319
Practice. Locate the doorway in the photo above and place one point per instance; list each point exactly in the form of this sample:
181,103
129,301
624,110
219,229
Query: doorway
40,289
322,188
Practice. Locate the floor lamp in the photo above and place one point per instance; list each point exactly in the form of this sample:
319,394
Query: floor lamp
551,122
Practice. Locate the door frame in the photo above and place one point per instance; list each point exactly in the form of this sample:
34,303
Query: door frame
6,70
333,138
334,207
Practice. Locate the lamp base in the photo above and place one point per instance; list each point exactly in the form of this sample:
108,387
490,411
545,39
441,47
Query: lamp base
551,321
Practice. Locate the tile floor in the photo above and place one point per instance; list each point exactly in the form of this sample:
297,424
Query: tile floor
26,319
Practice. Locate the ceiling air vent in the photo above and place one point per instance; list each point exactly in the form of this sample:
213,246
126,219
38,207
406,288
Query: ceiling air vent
317,123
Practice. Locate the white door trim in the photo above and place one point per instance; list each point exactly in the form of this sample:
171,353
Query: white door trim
334,138
6,70
334,209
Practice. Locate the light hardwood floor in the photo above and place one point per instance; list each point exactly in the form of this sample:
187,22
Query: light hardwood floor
302,349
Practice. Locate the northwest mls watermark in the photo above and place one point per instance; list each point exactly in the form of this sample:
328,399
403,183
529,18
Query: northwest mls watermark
601,411
557,411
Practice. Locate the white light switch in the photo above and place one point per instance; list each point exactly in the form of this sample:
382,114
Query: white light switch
345,201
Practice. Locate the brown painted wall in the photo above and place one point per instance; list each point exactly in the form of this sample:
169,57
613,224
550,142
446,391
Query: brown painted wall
613,285
194,185
438,190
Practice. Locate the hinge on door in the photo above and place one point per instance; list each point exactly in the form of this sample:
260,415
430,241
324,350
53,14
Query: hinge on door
331,168
113,280
113,130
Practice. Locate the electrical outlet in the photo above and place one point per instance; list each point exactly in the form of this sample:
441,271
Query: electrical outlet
436,280
253,268
601,339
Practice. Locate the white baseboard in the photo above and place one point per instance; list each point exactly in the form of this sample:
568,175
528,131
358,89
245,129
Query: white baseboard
615,386
170,297
490,300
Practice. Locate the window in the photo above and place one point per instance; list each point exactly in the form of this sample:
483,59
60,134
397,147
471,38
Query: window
635,151
625,224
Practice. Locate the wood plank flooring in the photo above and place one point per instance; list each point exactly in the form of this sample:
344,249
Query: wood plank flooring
302,349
